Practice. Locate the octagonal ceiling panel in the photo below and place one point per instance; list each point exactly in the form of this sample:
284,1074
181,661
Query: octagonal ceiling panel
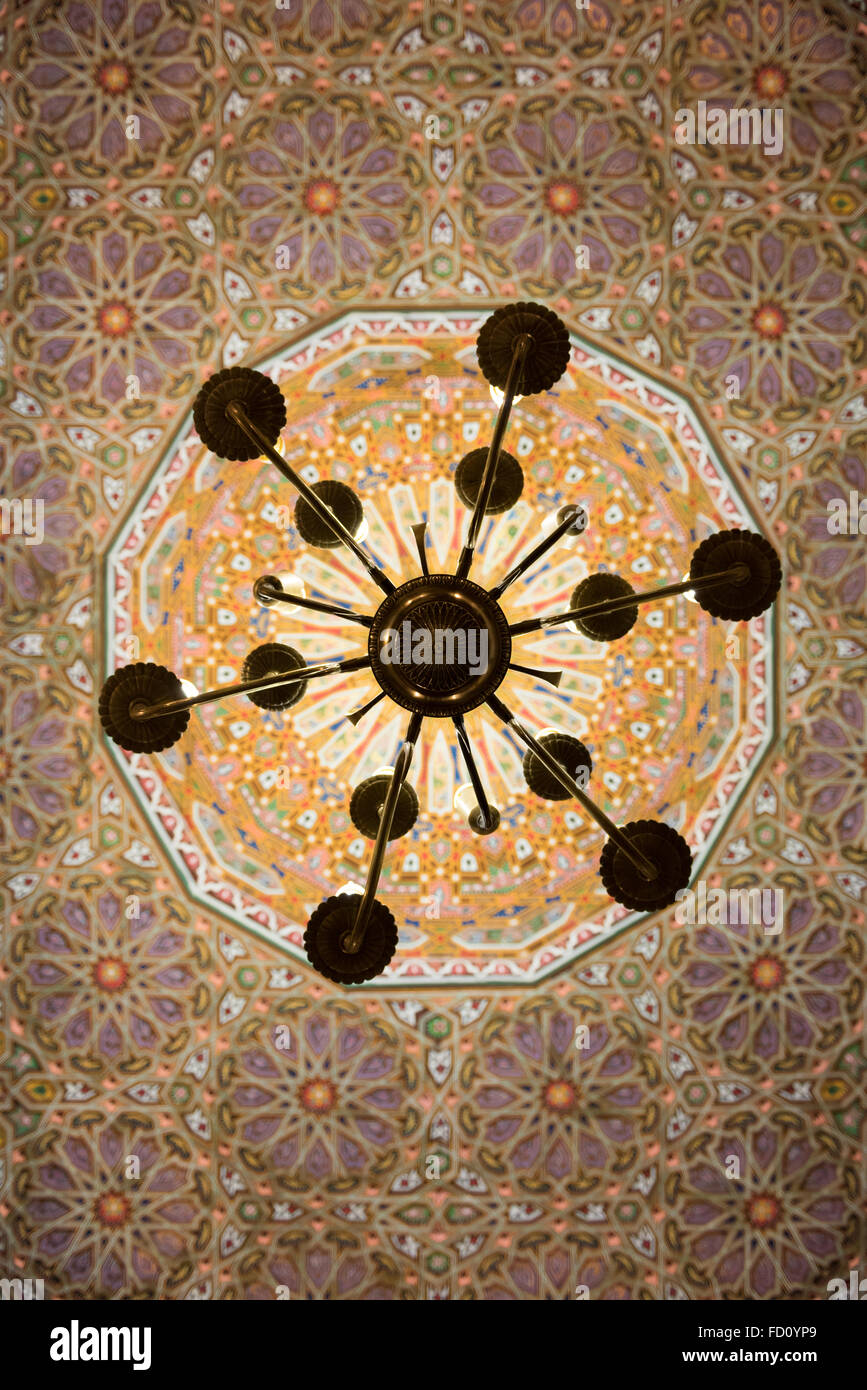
253,806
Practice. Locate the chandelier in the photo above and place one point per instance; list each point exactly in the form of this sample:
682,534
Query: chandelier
439,645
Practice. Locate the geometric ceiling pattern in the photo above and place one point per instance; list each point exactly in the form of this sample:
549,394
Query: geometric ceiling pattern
387,403
296,171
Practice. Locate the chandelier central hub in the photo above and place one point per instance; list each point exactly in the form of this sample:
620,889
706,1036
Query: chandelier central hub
439,645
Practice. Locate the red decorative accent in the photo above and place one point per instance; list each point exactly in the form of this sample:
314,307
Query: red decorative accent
112,1209
115,319
563,197
769,321
321,197
110,973
114,76
770,82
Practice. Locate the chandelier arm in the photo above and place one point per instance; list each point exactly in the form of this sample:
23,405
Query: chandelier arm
486,818
552,677
236,412
523,343
352,942
538,551
644,866
736,574
419,530
300,673
264,591
357,715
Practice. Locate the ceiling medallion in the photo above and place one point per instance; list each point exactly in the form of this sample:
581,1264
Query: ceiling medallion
440,645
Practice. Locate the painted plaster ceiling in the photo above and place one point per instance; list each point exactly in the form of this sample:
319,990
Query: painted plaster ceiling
286,204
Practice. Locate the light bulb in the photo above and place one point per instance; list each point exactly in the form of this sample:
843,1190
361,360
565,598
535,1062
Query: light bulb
572,626
364,527
291,584
465,799
498,396
580,522
189,689
350,888
466,803
689,593
279,447
570,539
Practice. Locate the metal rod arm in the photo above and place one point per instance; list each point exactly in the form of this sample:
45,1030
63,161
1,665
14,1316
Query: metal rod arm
420,533
735,574
535,554
470,761
552,677
521,347
235,411
262,589
357,715
644,866
301,673
352,942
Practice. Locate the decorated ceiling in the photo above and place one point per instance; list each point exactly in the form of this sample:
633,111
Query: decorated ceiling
545,1095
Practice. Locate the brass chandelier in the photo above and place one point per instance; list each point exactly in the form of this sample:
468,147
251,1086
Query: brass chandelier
734,575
